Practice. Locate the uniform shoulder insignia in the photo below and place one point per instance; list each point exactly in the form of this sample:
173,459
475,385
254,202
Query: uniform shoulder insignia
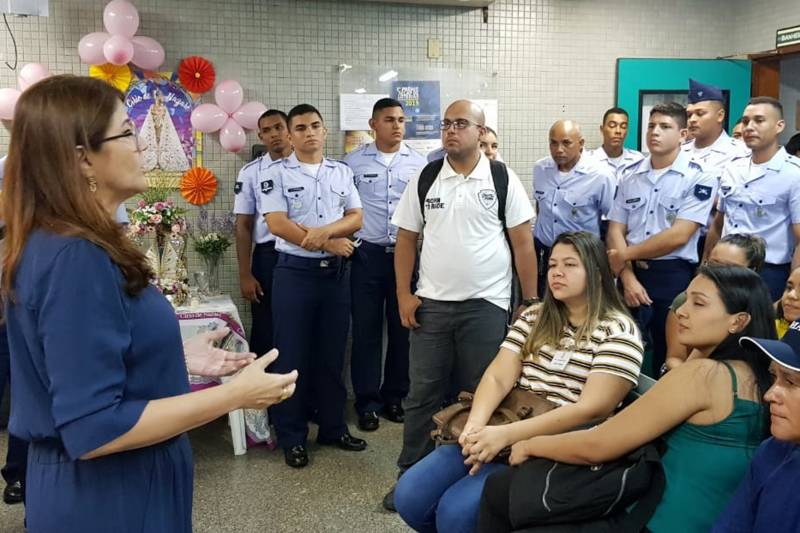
276,162
793,160
251,163
740,158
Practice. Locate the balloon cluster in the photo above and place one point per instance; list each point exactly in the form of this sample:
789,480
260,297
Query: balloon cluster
119,44
229,115
28,75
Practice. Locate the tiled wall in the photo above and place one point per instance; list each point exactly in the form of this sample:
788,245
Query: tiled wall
552,58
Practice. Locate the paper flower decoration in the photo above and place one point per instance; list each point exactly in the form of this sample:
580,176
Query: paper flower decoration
118,76
197,74
198,185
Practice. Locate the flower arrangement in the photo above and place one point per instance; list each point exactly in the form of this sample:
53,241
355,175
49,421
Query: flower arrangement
212,234
155,213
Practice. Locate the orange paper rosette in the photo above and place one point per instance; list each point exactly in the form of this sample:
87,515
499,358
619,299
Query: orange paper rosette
196,74
198,185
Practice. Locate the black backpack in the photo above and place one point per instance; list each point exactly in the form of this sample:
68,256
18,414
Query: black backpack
554,497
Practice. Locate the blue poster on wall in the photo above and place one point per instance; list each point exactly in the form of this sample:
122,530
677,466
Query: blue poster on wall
422,106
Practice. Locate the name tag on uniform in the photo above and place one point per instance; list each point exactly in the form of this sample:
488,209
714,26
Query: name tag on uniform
267,186
237,187
633,200
560,360
370,175
296,189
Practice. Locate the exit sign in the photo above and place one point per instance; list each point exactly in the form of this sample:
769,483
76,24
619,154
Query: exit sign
787,37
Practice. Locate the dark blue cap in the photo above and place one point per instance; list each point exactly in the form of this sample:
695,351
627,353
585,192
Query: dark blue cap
785,352
700,92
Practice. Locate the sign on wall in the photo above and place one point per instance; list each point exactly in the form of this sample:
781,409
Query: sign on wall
787,37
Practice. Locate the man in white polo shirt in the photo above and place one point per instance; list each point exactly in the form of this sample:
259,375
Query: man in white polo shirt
459,313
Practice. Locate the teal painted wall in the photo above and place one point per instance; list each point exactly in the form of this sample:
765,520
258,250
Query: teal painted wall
634,75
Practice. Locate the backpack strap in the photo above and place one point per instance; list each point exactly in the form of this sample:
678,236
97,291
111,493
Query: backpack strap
500,179
426,179
642,512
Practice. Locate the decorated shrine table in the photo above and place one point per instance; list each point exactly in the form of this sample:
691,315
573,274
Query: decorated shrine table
249,427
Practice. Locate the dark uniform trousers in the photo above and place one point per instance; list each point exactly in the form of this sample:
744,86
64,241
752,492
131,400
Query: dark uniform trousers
663,280
311,317
374,297
17,456
263,263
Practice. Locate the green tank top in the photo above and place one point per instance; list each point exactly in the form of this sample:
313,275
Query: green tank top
704,465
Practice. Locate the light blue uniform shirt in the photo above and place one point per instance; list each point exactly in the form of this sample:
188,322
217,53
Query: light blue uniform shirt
309,200
764,204
649,204
627,159
571,203
714,159
380,188
247,190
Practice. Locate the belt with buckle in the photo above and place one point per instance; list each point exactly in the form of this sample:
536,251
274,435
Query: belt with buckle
370,246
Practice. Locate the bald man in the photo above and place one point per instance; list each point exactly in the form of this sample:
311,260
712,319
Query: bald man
572,190
458,315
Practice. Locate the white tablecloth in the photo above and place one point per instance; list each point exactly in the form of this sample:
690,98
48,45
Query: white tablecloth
248,426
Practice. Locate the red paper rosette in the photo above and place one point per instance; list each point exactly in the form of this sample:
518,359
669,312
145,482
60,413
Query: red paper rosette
197,74
198,185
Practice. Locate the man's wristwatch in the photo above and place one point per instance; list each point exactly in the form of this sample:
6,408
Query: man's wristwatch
527,302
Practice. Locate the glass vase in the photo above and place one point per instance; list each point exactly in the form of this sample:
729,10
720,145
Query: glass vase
213,263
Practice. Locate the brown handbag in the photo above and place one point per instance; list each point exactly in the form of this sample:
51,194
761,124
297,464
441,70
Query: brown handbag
518,405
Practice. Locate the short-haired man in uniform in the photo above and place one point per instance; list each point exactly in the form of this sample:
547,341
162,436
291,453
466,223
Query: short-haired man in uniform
655,223
572,191
711,147
382,170
257,263
459,313
614,130
760,194
312,207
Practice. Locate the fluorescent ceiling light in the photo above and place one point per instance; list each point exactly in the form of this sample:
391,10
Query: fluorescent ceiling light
388,75
360,90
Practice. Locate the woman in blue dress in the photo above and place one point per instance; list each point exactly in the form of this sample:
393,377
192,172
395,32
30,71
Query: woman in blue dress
100,377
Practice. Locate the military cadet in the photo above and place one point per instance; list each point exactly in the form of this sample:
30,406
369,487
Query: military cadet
654,224
711,147
760,194
382,170
459,313
312,207
571,190
257,263
612,152
737,130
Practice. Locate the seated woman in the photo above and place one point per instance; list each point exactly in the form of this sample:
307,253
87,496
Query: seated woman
734,249
788,307
709,409
579,348
766,500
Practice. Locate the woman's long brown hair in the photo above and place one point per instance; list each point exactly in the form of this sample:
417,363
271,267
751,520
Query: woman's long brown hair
43,185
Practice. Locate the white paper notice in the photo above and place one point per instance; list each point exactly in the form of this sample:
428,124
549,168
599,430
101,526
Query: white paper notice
355,110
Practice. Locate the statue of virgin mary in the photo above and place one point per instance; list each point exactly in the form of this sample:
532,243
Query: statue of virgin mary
161,145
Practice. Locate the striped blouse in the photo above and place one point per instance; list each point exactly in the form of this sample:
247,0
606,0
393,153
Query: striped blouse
614,347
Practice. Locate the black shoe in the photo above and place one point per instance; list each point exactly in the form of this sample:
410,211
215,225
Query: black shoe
368,421
394,412
13,493
388,501
296,456
346,442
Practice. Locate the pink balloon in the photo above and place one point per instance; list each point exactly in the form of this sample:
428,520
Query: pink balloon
90,48
118,50
232,136
30,74
147,53
229,96
208,118
247,116
121,18
8,101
